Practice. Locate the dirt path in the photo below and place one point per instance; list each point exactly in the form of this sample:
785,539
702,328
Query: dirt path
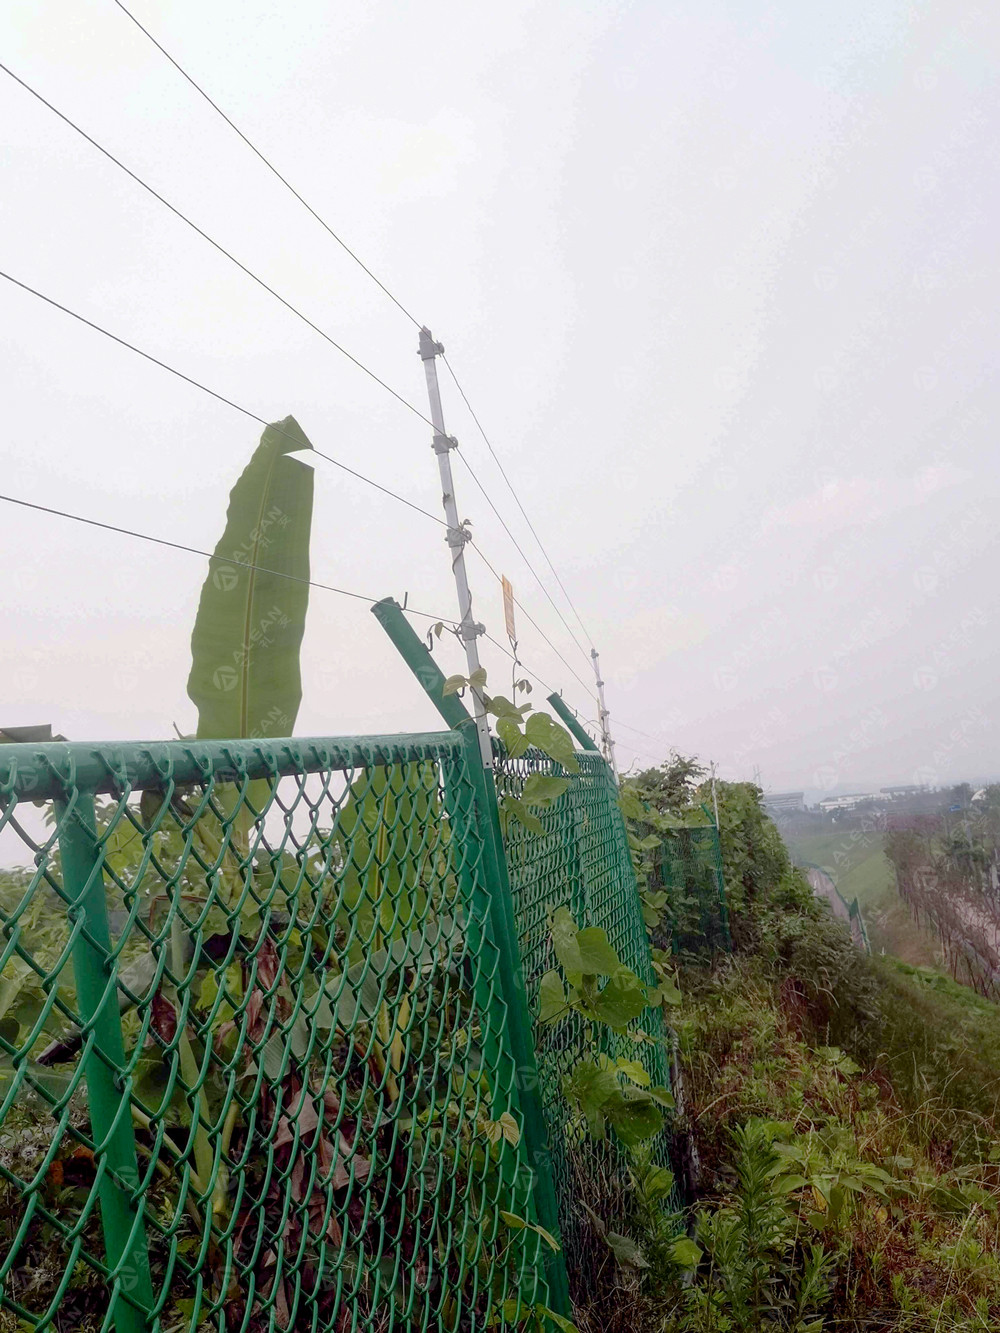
824,887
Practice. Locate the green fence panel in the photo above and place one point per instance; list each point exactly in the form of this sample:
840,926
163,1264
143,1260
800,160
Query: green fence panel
253,1043
581,861
689,868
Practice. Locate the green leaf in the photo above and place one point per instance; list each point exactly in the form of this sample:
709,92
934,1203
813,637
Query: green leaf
788,1184
565,942
541,790
658,1183
667,992
626,1251
633,1070
519,1224
552,1002
453,684
553,740
245,677
510,1129
590,1089
478,678
510,733
597,957
621,1000
631,805
563,1324
634,1121
19,977
685,1252
521,812
502,707
662,1096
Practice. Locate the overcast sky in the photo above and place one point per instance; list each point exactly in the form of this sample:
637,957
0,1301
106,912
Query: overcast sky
719,279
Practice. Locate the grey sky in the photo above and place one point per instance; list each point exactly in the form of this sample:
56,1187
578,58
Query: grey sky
719,279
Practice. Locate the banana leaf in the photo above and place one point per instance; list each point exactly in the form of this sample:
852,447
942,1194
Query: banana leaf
245,677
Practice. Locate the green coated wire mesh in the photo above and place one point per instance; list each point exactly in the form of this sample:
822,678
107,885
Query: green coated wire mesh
689,868
581,861
254,1065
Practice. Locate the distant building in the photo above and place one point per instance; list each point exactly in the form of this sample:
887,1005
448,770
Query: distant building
894,793
849,802
783,801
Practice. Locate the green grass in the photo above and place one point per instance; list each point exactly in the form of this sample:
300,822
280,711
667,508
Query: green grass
880,1075
857,864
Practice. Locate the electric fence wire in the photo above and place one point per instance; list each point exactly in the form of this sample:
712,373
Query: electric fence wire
517,499
298,313
267,163
210,555
261,421
529,670
245,411
217,246
163,365
517,546
535,623
344,246
327,337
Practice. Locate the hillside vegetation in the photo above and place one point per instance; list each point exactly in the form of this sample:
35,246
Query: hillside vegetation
839,1118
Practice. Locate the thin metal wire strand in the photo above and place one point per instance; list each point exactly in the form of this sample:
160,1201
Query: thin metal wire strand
270,166
216,245
245,411
517,546
295,311
323,334
517,498
267,163
210,555
531,620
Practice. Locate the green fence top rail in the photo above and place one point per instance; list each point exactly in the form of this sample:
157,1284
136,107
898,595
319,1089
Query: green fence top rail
43,772
571,721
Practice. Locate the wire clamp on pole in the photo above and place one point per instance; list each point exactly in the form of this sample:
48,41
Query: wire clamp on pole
442,443
458,537
470,629
429,349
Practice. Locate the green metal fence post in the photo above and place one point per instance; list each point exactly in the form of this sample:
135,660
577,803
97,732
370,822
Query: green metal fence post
103,1060
560,706
494,867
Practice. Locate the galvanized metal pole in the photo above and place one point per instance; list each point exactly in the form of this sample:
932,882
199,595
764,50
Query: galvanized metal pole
605,717
469,631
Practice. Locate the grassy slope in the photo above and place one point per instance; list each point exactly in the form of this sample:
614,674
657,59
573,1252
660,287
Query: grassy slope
920,1248
873,1071
860,870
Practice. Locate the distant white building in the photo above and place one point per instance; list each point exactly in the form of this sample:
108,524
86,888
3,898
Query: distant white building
783,801
849,802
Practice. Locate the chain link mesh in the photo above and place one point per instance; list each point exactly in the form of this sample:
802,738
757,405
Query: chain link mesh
582,861
689,868
254,1069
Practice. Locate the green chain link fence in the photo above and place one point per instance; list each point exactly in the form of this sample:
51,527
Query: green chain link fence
582,861
689,868
255,1058
267,1058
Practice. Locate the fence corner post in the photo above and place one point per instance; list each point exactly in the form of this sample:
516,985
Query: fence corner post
494,863
104,1059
